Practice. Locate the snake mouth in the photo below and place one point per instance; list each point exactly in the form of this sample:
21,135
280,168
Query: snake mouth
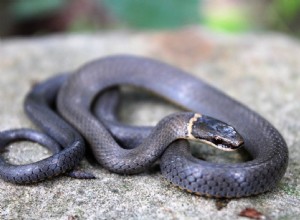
226,145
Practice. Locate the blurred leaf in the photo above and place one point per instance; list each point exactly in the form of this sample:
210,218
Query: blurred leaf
284,15
228,20
82,24
23,9
155,13
288,9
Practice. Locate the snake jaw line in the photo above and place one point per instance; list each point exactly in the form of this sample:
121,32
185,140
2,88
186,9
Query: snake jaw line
222,147
211,144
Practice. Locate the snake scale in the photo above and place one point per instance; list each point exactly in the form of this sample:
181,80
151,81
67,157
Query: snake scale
73,96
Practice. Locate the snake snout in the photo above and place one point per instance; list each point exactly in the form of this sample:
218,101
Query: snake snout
227,137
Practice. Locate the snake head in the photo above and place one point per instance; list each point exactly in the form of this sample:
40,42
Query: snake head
214,132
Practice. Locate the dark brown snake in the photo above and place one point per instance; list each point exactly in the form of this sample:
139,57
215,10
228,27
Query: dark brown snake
76,96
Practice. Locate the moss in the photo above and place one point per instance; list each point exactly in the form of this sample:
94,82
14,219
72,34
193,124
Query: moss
290,189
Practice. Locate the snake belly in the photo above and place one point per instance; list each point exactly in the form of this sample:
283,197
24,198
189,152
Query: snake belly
264,143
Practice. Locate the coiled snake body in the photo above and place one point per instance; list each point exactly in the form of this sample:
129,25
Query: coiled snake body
74,102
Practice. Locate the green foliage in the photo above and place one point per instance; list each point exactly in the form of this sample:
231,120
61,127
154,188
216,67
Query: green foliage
82,24
155,13
228,21
23,9
287,9
284,15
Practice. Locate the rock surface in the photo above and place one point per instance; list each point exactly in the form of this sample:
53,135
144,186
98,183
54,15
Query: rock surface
261,70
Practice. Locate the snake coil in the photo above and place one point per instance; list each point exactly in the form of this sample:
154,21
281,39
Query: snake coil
75,95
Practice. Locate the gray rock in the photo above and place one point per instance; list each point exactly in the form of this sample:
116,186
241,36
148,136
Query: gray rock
261,70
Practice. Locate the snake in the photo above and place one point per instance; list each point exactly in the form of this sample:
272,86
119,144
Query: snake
63,108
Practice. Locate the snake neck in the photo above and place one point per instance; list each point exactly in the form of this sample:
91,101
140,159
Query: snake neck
190,124
179,125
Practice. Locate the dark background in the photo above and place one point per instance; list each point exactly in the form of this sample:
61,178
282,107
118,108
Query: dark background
40,17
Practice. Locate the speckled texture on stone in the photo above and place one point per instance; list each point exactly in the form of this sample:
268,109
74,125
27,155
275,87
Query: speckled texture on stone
262,71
